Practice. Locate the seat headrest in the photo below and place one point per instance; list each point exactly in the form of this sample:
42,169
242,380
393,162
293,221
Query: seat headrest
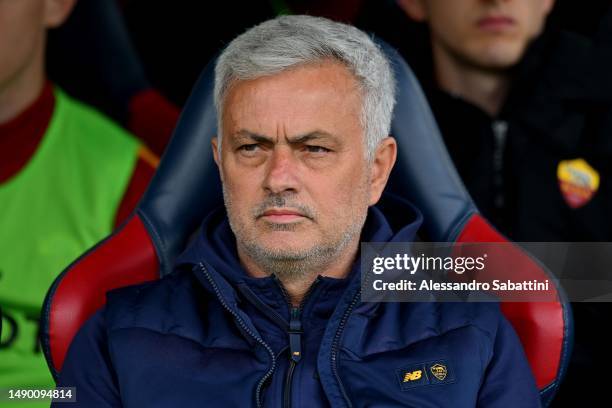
187,186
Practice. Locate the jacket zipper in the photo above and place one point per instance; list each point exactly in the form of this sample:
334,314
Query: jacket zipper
247,330
273,314
336,342
295,352
500,132
335,346
295,339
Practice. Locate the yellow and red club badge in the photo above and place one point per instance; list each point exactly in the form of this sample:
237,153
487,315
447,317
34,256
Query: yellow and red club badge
578,182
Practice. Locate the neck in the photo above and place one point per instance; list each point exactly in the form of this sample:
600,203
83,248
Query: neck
486,89
297,285
21,90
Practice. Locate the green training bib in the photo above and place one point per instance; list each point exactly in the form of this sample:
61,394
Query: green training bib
60,204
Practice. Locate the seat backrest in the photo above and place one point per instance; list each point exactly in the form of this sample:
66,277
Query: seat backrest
79,56
186,187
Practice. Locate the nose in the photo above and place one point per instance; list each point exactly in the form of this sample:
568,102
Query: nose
281,171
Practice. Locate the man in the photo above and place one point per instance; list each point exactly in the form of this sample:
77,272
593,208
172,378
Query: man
264,307
67,176
526,114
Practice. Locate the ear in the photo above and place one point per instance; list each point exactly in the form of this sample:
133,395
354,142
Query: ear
57,11
383,162
415,9
215,148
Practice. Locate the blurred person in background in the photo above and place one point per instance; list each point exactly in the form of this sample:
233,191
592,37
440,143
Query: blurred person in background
68,176
526,115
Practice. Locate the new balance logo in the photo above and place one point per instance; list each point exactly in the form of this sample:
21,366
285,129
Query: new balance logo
413,376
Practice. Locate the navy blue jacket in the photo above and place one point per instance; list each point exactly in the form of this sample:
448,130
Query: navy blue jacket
210,336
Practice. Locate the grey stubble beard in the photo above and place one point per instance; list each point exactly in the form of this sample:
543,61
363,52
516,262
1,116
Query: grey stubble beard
291,265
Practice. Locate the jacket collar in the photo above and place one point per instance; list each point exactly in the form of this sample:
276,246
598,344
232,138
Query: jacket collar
393,219
373,327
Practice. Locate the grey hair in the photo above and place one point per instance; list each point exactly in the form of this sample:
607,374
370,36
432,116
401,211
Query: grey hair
289,41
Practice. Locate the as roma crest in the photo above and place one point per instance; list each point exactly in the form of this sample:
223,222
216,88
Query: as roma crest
578,182
439,371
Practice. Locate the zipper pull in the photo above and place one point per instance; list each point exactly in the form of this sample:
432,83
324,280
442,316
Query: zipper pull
500,133
295,335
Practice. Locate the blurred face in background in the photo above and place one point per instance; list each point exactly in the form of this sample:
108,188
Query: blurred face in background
23,25
487,34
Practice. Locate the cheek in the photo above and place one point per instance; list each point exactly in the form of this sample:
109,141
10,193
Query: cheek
534,23
346,195
450,23
455,34
20,35
238,192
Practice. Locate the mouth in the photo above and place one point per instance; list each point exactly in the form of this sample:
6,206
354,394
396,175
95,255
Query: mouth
283,216
495,23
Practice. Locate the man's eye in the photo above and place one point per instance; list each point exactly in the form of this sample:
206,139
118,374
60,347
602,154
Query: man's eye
317,149
249,147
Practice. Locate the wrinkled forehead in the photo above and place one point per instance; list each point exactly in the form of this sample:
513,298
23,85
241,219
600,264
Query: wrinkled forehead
332,73
324,98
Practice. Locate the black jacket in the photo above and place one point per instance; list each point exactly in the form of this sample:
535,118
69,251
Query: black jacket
559,109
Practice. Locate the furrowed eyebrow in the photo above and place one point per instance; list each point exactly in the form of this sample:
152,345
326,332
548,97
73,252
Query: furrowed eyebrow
245,134
316,135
